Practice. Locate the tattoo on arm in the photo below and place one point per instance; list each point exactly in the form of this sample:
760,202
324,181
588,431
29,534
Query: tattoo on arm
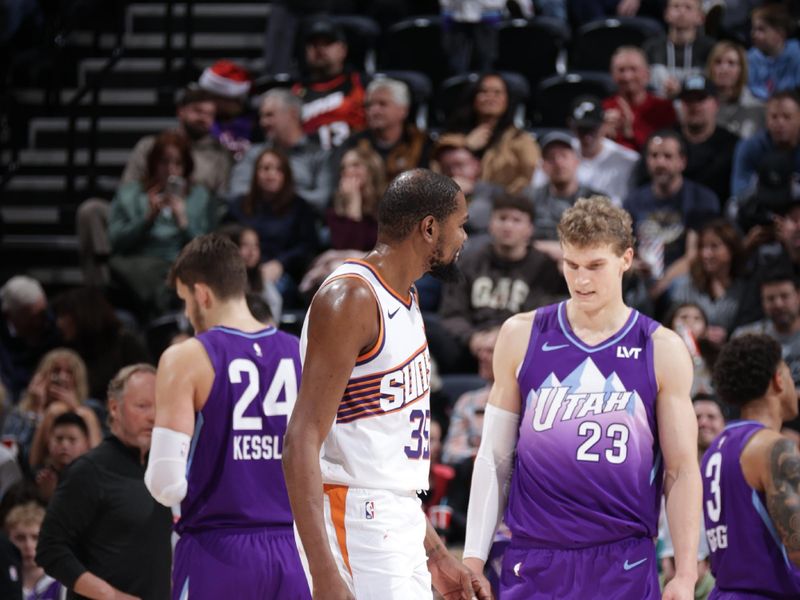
783,500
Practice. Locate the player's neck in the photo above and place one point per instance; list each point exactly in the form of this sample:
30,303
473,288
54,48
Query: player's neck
763,411
601,322
233,314
396,265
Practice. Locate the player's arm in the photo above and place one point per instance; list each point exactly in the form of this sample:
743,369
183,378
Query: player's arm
182,371
342,323
677,435
771,463
495,457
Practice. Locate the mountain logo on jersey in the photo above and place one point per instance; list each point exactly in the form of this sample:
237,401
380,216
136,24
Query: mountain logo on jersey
584,392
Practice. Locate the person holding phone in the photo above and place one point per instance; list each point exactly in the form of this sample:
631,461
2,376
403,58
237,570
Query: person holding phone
152,219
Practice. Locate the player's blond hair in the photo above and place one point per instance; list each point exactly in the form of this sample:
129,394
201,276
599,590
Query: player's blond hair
594,221
29,513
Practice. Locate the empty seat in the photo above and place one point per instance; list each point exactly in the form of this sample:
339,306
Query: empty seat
555,94
414,45
595,42
536,49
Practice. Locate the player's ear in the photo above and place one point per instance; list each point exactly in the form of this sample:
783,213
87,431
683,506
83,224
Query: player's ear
428,227
203,294
627,259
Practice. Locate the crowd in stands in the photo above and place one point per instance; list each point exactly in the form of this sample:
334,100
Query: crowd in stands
700,142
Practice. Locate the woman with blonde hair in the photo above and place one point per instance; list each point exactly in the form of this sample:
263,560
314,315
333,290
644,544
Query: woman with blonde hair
58,385
739,111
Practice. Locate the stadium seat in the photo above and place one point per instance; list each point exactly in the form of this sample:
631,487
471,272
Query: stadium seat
536,49
555,94
595,42
362,34
414,45
421,89
454,89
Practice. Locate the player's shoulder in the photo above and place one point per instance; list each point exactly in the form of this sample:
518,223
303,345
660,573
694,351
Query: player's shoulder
766,448
349,293
184,353
667,341
518,324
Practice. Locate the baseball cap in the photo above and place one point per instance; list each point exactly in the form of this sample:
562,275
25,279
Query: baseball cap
697,86
557,137
587,111
323,27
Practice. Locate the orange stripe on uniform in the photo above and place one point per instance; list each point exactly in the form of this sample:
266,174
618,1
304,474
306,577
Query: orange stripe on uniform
337,496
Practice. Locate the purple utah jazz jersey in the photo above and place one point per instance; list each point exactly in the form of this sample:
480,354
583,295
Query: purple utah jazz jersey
588,468
748,558
234,469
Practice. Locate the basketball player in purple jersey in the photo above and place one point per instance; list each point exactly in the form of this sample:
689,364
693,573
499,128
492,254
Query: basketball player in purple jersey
590,399
223,400
751,477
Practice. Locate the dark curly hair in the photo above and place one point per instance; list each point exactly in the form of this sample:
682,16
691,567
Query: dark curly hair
744,368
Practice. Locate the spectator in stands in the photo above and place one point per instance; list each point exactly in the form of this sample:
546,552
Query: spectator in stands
634,113
279,117
66,438
466,421
585,11
22,525
469,33
285,223
780,301
27,331
246,238
739,111
230,85
151,219
89,326
452,158
689,321
212,165
710,420
212,162
560,163
782,134
774,59
709,148
399,143
604,165
684,49
668,212
717,281
333,97
503,275
508,155
352,218
104,536
59,384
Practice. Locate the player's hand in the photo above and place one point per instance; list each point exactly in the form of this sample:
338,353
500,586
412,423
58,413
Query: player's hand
679,588
476,568
454,581
332,588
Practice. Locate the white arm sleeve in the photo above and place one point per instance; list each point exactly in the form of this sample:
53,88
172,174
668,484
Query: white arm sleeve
487,499
165,477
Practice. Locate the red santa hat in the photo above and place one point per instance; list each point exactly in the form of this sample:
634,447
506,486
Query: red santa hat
227,79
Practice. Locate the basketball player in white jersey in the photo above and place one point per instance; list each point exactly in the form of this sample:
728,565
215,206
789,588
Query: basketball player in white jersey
357,449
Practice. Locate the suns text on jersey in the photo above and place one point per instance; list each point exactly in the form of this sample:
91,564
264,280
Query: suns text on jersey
407,383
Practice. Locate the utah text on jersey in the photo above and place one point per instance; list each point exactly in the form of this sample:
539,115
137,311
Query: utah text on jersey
388,391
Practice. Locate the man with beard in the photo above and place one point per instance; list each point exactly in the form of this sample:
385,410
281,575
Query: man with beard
212,164
360,432
669,211
222,402
780,300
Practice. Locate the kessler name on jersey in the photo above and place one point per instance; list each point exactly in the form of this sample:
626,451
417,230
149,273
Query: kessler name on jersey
257,447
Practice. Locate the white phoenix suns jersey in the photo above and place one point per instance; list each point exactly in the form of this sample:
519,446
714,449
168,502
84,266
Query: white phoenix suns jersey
380,438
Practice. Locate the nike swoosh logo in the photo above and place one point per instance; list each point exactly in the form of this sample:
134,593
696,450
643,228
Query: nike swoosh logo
392,314
546,347
628,566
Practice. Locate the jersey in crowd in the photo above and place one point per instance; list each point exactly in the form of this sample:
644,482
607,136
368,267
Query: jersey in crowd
588,468
234,470
380,438
747,555
333,109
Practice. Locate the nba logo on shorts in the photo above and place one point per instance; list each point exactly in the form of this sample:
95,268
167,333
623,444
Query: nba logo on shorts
369,509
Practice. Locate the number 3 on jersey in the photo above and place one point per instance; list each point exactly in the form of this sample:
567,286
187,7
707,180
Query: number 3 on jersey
283,379
420,435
